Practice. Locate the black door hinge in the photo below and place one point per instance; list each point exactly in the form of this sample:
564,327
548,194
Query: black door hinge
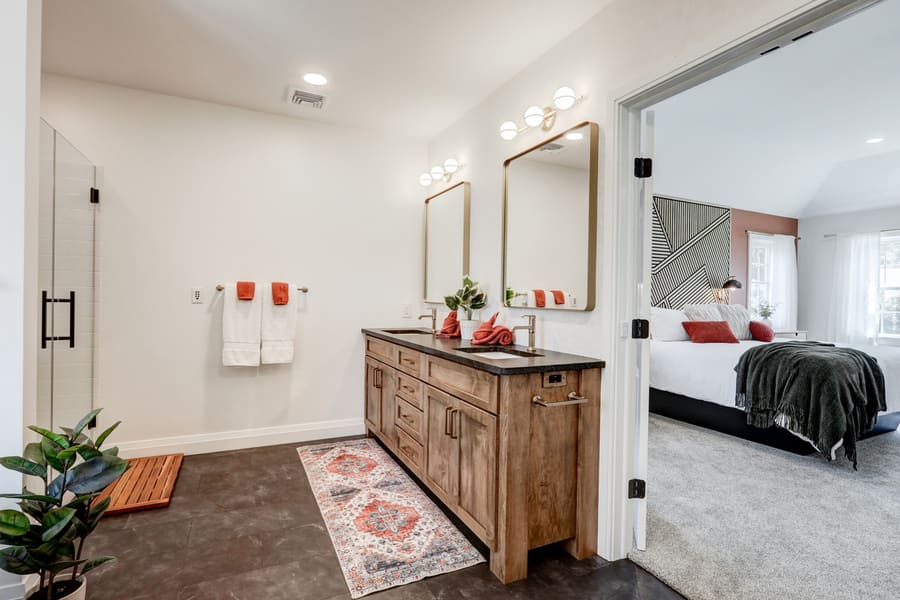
95,196
640,329
643,167
637,488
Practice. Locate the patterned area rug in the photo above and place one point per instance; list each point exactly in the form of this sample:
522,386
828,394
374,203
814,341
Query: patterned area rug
385,530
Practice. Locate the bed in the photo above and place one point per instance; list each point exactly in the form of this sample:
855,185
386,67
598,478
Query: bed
696,383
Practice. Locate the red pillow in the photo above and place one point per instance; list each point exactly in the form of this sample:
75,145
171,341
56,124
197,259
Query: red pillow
710,332
761,332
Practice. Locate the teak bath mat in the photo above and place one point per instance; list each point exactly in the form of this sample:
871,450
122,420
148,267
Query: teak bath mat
147,484
385,530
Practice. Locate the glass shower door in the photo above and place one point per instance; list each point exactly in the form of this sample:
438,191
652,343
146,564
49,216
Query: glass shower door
67,235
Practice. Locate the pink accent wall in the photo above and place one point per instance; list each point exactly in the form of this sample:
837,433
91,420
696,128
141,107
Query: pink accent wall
741,222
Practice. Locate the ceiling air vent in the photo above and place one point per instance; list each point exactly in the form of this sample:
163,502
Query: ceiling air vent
552,148
300,97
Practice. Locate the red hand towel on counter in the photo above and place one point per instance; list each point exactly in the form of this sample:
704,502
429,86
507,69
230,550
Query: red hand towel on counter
450,328
488,335
540,298
280,293
246,290
481,335
558,296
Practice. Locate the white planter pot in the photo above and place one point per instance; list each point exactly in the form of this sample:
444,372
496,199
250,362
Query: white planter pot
79,594
767,322
467,328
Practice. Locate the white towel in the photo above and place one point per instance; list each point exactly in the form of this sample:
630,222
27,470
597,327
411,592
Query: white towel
279,326
240,328
530,301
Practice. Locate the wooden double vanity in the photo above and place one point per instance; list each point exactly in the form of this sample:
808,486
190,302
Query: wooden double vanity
509,444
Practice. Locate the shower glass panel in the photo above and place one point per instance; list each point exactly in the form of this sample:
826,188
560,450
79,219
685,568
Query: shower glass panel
67,261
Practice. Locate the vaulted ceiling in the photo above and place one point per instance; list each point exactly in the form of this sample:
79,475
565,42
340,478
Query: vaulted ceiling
408,66
786,134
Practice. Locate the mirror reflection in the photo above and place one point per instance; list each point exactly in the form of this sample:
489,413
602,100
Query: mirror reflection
446,241
550,209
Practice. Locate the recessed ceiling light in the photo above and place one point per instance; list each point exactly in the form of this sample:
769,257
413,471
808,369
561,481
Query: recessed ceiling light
876,140
315,79
574,136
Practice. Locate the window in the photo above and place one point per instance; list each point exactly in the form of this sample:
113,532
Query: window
889,284
772,278
759,270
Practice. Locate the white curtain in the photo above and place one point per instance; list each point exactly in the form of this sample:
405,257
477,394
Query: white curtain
784,283
853,314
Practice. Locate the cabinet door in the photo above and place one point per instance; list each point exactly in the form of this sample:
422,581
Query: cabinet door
476,431
374,387
388,408
441,448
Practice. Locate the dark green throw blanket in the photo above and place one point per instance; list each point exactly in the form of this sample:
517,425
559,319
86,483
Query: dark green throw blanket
824,393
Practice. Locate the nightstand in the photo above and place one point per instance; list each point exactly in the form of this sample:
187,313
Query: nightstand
790,335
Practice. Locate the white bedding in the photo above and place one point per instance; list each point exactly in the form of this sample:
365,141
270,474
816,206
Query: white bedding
706,371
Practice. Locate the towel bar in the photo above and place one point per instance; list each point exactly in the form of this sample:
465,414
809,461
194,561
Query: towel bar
304,289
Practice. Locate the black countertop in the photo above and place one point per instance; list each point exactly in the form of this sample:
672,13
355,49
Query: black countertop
449,349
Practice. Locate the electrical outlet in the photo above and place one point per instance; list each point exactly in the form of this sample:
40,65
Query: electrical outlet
196,295
405,311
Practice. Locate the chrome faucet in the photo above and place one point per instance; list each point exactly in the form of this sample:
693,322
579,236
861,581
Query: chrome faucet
530,328
433,316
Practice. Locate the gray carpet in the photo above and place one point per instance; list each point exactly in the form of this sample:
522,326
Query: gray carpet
733,519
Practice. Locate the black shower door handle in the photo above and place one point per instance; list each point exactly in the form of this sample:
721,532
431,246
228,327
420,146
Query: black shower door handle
45,300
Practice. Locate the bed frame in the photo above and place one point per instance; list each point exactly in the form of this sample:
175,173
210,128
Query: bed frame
733,421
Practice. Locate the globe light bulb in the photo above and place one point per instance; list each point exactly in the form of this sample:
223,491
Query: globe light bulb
451,165
509,130
425,179
564,98
534,116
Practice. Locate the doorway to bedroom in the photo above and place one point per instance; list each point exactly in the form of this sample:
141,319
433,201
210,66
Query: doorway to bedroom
772,237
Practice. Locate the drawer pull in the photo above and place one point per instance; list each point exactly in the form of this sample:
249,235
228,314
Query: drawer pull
454,425
379,378
447,424
573,399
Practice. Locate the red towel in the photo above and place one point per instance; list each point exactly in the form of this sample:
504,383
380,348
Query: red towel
488,335
450,328
540,298
246,290
558,296
280,293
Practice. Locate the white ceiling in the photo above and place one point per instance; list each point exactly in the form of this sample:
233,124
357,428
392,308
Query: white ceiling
409,66
785,134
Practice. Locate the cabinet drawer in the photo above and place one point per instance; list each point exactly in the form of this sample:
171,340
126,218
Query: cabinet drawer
410,418
476,387
410,389
410,451
383,351
409,361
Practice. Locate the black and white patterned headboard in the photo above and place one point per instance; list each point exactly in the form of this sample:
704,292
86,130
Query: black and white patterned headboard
691,252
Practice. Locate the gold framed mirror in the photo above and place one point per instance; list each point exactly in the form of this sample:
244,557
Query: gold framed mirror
550,222
446,241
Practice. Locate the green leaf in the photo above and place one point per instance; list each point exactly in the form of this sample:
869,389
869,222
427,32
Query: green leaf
13,523
55,521
33,497
59,440
88,452
452,302
96,474
105,434
34,453
35,510
50,450
85,420
69,452
16,560
114,451
96,562
23,465
62,565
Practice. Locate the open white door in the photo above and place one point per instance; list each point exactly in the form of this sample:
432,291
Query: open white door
637,487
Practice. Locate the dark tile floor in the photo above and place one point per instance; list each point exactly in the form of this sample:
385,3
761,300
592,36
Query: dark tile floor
244,525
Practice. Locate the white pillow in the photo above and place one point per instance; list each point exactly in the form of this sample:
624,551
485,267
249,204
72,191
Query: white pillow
738,318
666,325
703,312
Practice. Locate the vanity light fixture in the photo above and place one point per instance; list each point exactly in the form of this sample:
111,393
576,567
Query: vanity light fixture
315,79
440,173
875,140
535,116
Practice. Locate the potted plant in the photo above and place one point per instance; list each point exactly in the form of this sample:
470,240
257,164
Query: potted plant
46,535
468,298
765,310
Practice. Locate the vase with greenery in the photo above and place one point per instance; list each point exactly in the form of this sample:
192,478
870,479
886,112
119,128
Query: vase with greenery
765,310
46,535
467,299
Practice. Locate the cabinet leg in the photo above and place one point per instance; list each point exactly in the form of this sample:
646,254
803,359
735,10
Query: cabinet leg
509,567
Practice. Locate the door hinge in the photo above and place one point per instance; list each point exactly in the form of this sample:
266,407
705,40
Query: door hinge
637,488
95,196
643,167
640,329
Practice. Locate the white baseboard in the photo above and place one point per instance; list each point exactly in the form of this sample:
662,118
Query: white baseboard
12,591
202,443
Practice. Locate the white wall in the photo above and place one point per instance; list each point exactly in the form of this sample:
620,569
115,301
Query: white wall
815,260
627,46
198,194
20,34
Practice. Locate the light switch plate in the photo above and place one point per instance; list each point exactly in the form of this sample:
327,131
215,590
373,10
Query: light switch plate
196,295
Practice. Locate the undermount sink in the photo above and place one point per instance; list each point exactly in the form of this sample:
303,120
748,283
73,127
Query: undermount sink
496,353
407,331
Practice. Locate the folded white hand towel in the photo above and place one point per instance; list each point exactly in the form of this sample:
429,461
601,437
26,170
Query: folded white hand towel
531,302
240,328
279,326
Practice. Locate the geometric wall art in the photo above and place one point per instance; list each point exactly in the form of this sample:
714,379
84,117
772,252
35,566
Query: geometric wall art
691,252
